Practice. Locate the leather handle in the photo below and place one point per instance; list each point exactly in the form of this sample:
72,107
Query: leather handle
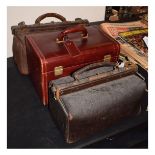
79,28
40,18
77,73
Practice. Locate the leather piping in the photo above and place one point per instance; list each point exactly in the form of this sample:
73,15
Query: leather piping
43,64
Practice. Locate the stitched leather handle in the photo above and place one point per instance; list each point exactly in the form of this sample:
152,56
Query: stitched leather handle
77,73
40,18
79,28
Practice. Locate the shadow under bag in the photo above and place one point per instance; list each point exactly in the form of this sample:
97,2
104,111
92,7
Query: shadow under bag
93,99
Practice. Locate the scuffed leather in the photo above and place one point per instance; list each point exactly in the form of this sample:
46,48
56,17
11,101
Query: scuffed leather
91,110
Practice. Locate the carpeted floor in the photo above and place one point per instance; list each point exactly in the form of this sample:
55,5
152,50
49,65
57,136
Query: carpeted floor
29,123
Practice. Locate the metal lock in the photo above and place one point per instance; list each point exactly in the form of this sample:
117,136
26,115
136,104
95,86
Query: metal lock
58,70
107,58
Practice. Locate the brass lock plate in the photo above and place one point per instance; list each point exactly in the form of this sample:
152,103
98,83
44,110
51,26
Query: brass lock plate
58,70
107,58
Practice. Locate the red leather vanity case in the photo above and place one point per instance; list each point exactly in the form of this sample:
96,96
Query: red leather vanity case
52,55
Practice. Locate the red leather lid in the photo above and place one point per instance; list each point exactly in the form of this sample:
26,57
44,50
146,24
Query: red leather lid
88,50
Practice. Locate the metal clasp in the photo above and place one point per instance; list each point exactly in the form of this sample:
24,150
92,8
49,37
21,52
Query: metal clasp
107,58
58,70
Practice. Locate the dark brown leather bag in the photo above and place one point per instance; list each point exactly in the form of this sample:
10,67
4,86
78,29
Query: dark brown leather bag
84,105
21,30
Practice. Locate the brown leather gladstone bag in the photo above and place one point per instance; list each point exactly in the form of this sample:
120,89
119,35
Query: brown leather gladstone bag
52,55
21,30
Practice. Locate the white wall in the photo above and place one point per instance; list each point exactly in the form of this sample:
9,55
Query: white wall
29,14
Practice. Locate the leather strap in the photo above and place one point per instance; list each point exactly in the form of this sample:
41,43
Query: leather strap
72,49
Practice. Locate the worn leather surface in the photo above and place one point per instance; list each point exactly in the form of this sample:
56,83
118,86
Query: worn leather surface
90,110
44,54
19,54
21,30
